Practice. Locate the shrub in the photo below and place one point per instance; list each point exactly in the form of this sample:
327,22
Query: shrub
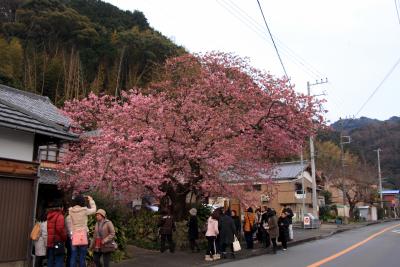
327,213
142,229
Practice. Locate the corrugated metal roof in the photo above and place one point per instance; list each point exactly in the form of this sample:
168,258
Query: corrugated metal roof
287,170
15,112
281,171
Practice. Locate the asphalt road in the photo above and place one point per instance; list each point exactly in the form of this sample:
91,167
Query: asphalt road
364,247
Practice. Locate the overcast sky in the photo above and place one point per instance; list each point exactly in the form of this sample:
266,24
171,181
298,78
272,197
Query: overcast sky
354,43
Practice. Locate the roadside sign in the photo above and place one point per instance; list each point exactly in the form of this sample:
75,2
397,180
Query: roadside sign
307,220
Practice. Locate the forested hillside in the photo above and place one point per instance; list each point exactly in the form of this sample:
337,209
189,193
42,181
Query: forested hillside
366,136
66,48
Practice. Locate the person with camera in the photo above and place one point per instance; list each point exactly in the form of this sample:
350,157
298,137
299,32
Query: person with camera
78,220
167,227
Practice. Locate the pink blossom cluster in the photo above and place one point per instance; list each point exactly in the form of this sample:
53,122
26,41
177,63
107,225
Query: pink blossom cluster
206,117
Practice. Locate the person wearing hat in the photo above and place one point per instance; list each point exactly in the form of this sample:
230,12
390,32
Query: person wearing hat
193,230
103,243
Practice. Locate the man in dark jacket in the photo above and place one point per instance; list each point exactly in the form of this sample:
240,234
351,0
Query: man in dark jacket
227,231
289,214
167,226
238,226
264,226
283,223
193,230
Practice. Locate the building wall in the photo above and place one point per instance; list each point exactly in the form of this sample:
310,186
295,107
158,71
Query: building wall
337,194
280,194
16,144
14,264
16,210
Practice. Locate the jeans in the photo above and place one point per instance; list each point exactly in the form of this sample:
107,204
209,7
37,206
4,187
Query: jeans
68,245
54,260
249,239
106,259
82,250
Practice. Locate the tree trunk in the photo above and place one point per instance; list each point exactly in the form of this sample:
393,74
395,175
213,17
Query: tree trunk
119,70
351,210
179,209
175,200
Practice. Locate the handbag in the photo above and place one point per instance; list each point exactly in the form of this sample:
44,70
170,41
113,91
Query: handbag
59,248
236,244
35,234
111,245
79,238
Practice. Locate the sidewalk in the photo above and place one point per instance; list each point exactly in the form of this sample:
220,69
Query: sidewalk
148,258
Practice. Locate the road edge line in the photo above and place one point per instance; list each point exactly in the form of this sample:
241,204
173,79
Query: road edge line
347,250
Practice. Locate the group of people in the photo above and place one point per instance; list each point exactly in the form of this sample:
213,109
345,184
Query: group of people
68,230
222,227
268,228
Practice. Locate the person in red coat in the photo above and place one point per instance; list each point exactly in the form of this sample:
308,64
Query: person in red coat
56,234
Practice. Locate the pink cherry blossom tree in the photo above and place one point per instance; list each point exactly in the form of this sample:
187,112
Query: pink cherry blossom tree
206,118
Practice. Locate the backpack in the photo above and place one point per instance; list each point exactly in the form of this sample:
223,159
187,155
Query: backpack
35,233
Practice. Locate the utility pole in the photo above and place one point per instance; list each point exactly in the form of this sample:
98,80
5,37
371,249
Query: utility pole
312,156
342,159
379,175
302,186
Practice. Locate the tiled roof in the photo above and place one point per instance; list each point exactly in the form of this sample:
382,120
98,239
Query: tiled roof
48,176
40,106
32,113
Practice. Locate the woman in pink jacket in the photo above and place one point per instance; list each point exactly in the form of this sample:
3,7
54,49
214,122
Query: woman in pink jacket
211,235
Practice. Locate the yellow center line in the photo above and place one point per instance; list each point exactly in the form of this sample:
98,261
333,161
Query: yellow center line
330,258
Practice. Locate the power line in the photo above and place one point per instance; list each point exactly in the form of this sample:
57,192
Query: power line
260,29
379,86
272,38
397,10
